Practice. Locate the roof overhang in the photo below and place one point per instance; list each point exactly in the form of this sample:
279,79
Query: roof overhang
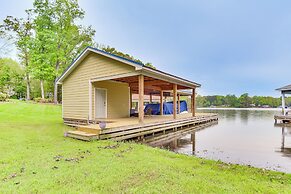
147,71
285,89
140,68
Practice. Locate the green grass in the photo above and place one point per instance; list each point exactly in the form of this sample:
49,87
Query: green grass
36,158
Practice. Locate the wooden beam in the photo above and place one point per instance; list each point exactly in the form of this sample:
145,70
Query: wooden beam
179,108
161,103
146,87
140,98
175,101
193,102
152,82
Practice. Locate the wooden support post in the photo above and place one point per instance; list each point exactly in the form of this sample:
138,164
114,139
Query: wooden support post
179,108
90,101
151,98
161,103
140,98
193,142
175,101
283,103
130,101
193,102
283,138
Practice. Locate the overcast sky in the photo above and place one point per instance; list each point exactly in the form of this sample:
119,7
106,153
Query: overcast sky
230,47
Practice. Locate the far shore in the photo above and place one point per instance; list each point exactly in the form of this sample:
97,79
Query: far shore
232,108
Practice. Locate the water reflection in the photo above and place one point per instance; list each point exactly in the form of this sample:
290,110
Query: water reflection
179,143
244,116
246,137
286,131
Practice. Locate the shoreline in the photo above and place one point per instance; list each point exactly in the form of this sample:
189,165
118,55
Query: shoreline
232,108
40,159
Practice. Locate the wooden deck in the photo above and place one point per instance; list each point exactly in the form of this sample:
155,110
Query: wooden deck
129,128
283,118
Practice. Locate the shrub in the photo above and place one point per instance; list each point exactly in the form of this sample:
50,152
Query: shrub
49,100
3,97
40,100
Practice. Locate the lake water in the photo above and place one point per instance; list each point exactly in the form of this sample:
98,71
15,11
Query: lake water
246,137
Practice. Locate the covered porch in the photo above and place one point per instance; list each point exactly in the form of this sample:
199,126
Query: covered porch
141,85
117,124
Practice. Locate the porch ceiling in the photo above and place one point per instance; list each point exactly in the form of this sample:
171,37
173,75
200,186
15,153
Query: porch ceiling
151,85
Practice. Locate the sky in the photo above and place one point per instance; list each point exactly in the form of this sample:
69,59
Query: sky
228,46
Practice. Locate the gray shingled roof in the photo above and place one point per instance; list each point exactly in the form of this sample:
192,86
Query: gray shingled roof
285,88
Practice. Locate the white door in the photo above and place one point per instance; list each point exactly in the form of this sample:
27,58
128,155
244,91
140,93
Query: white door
100,103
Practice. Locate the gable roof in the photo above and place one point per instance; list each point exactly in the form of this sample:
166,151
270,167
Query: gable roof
285,88
137,65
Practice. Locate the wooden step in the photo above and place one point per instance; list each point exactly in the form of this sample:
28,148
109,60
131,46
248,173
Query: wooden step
89,129
82,135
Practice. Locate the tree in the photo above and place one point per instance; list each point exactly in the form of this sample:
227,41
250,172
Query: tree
231,101
40,47
245,100
11,78
64,37
202,101
41,69
21,30
112,50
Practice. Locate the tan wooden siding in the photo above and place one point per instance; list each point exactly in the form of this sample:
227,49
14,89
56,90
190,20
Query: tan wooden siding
76,85
117,98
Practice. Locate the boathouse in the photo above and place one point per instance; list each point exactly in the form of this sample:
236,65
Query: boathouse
98,88
286,113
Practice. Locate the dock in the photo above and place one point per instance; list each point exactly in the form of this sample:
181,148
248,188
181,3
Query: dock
154,126
282,118
285,117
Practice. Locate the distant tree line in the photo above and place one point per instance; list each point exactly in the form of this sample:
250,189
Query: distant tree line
47,41
243,101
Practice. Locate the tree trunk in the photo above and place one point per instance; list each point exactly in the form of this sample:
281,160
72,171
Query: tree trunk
27,87
55,83
42,89
56,92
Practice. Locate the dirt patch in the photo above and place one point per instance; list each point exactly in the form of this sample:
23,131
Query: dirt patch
115,146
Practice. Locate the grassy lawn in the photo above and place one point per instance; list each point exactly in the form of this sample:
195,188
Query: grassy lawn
36,158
